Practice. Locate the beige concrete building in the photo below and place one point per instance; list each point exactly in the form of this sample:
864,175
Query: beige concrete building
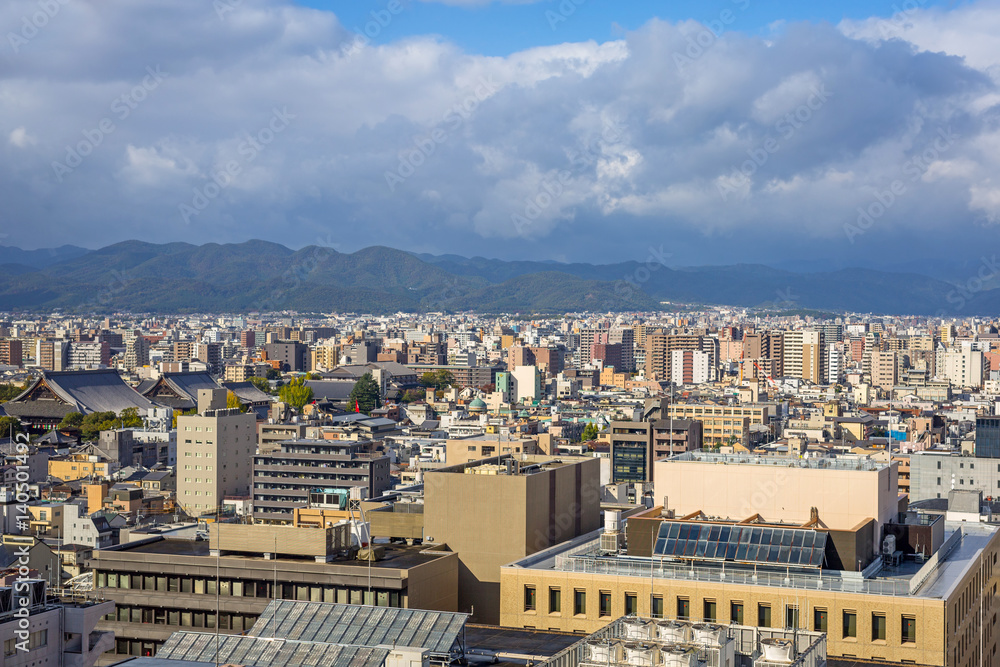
930,601
493,515
214,453
460,451
845,491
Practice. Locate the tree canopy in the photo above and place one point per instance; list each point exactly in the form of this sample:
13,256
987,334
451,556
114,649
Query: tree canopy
9,391
296,393
439,379
90,426
9,426
590,432
366,395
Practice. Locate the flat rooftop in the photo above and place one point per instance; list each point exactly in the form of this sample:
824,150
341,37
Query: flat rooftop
516,642
937,579
822,462
397,556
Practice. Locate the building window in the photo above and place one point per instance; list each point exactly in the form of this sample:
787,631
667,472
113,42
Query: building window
763,615
555,600
791,618
656,606
683,608
736,613
605,604
631,604
878,627
909,630
529,598
579,602
850,625
820,620
711,611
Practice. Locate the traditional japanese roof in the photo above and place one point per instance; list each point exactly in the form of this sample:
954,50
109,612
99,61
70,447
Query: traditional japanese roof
248,392
57,393
178,390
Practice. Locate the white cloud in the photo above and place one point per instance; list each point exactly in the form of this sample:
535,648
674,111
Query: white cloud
490,132
19,137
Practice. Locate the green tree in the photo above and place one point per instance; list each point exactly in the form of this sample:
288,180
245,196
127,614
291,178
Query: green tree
260,383
413,395
232,400
366,395
9,391
590,432
296,393
273,374
9,427
439,379
130,418
71,420
313,376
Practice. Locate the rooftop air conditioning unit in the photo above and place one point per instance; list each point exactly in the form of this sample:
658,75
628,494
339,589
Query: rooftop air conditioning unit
777,649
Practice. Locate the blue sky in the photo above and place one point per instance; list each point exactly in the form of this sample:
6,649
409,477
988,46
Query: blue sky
499,29
814,134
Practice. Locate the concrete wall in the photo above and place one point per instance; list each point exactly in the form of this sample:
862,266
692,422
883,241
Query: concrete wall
930,614
844,498
492,520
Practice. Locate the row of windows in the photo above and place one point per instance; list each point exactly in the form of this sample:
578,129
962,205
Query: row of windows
180,617
710,613
252,588
35,640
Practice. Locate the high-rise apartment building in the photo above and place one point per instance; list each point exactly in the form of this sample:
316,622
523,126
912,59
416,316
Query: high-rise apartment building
88,354
136,349
11,353
215,451
964,367
803,355
691,367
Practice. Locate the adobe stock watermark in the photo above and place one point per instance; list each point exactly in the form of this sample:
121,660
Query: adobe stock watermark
296,274
32,24
914,168
786,299
562,13
711,31
896,24
249,148
551,189
630,284
786,127
121,108
989,268
363,36
425,145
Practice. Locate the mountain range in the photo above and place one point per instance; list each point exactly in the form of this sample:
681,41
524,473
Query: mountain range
263,276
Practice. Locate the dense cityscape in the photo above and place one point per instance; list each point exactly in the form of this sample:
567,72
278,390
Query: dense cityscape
269,459
515,333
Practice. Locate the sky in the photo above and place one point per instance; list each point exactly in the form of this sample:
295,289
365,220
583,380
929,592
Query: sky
802,135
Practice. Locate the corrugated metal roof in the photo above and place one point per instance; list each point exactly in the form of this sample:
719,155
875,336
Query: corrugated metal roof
360,625
265,652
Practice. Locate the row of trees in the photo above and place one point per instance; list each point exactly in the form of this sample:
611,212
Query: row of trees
91,425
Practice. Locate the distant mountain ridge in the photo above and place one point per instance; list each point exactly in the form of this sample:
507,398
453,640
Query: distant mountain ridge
264,276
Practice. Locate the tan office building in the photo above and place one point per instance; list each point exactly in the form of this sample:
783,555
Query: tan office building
930,601
492,515
215,449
